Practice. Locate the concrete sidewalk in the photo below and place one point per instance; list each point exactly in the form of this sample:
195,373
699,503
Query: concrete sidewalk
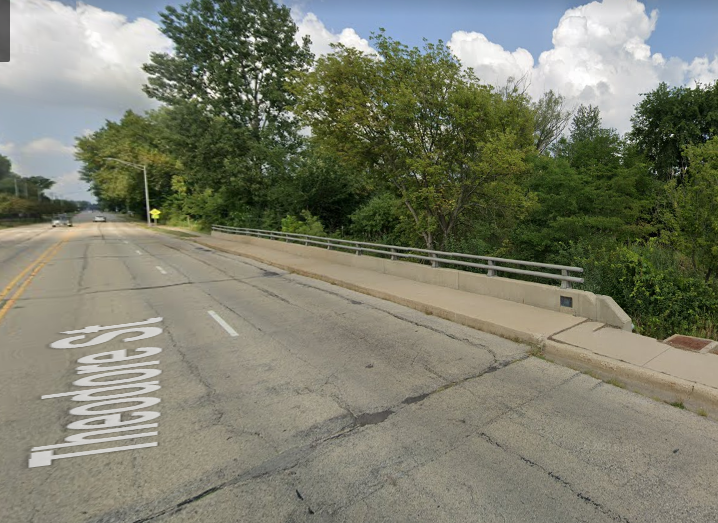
636,362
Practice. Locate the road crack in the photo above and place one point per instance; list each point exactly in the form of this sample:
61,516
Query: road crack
558,479
293,457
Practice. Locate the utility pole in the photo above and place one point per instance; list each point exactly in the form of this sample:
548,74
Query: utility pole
17,193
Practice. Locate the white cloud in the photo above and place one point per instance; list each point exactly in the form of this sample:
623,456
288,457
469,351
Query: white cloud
47,146
599,56
52,159
7,148
491,63
69,186
79,56
702,70
322,38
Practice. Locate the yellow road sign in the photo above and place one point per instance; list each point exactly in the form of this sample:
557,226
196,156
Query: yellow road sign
155,213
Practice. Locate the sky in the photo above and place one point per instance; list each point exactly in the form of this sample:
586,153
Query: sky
75,65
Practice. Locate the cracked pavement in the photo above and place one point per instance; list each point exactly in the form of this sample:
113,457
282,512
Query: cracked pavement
328,406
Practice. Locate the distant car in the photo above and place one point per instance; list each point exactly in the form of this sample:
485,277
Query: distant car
61,221
100,219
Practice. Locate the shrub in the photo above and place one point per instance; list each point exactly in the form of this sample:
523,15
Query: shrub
647,281
309,225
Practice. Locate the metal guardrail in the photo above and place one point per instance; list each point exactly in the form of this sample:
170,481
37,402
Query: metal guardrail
435,257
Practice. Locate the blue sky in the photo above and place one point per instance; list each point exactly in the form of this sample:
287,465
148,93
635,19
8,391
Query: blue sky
73,66
686,28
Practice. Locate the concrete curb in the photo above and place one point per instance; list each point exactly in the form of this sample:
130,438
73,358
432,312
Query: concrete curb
664,387
657,385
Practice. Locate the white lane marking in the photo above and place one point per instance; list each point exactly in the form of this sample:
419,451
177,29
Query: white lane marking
223,323
138,252
125,241
160,269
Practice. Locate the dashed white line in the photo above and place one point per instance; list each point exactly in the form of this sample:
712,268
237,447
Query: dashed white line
223,323
138,252
160,269
125,241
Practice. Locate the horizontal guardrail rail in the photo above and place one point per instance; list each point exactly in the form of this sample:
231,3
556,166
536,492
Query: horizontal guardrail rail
436,258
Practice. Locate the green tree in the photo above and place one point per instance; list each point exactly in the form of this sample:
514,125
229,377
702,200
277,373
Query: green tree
550,119
575,204
134,139
210,153
233,57
323,185
40,183
696,207
307,224
418,122
5,166
667,120
591,148
379,219
234,60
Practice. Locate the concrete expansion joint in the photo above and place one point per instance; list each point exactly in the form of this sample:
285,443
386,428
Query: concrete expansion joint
656,356
551,336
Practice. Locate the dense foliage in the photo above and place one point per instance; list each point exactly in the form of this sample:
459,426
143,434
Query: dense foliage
406,146
25,199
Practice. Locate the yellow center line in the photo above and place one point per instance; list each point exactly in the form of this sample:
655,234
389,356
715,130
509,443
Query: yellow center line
17,278
38,265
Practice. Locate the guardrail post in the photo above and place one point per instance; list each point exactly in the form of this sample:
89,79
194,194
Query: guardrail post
393,254
434,264
491,272
565,284
357,251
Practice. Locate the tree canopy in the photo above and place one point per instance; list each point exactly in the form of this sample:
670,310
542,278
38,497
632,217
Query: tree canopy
421,123
668,119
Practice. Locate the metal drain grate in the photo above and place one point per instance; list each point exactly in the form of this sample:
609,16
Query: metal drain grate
688,343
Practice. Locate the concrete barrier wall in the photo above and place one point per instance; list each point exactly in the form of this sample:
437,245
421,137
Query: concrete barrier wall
584,304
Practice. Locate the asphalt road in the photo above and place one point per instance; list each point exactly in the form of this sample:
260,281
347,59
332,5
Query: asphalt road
284,399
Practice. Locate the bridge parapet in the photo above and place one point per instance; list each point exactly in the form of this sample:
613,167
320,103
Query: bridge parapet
561,299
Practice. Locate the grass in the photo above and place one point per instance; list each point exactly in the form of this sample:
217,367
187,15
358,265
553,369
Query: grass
16,223
536,352
702,412
678,405
616,383
611,381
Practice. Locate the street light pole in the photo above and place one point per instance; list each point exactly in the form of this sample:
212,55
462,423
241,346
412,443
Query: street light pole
147,192
147,196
